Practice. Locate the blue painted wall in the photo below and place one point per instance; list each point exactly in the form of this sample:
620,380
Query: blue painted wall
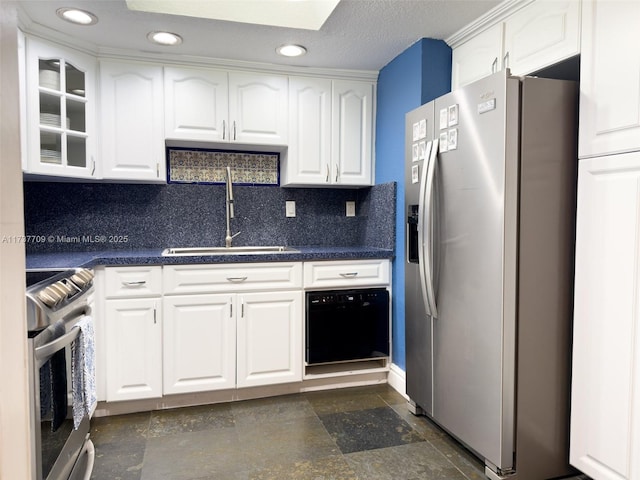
416,76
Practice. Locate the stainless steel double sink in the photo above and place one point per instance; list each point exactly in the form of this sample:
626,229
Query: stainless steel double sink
251,250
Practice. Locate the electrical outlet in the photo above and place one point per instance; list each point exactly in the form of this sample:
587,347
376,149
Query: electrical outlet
290,208
351,209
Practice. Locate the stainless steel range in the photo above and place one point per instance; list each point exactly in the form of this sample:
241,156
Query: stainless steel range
61,374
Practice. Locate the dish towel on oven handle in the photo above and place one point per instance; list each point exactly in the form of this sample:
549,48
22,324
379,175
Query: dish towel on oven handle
83,371
53,383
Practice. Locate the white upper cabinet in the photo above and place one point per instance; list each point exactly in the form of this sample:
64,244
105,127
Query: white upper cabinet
258,111
605,410
132,141
309,156
536,36
22,75
216,106
352,132
609,78
60,108
331,126
477,58
196,105
541,34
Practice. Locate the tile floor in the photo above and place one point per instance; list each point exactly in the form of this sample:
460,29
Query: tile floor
363,433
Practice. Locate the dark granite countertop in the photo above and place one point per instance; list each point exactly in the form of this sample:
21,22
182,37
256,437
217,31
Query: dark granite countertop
62,260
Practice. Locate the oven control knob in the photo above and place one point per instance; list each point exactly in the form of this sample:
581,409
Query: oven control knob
49,296
82,277
78,280
86,274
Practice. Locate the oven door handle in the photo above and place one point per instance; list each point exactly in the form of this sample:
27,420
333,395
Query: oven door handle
44,352
91,456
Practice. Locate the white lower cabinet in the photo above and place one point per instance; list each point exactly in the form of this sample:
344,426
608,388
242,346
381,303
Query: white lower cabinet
199,343
134,355
183,329
128,330
269,338
232,325
605,410
347,273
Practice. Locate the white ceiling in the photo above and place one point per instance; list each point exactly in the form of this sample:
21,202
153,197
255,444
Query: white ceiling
358,35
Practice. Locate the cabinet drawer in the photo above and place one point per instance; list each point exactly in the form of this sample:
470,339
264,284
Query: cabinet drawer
143,281
346,273
232,277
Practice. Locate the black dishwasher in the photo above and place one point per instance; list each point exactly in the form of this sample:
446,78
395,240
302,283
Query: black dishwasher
347,325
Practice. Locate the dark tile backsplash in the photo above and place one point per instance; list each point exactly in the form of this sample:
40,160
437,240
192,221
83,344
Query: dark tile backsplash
89,217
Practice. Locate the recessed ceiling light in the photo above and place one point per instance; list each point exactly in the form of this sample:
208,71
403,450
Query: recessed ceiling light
291,50
164,38
77,16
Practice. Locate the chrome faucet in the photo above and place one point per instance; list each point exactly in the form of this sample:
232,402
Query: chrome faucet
229,204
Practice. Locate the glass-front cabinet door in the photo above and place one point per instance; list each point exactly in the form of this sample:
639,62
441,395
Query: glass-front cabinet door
61,111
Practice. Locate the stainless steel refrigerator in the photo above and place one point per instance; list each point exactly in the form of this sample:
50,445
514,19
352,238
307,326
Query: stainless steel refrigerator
490,190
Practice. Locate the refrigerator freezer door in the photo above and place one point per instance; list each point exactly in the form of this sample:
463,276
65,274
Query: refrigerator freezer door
418,324
473,336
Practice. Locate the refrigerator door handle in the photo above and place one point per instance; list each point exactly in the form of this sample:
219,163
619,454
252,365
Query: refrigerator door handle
429,240
421,229
425,231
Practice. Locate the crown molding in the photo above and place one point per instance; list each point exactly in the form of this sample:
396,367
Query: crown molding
489,19
228,64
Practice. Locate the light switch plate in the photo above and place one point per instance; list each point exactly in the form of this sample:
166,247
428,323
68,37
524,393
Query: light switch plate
290,208
351,209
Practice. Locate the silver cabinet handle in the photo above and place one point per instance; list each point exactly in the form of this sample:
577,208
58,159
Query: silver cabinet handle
236,279
234,130
224,129
337,172
93,165
349,275
505,61
138,283
494,65
327,173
